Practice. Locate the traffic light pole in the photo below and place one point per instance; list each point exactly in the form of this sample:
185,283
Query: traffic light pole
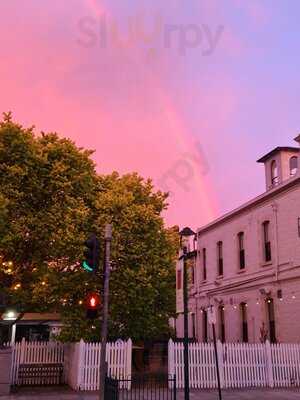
103,367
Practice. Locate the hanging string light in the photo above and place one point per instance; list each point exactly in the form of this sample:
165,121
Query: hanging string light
17,286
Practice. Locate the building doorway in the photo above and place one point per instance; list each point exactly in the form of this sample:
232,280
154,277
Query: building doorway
271,320
222,323
243,309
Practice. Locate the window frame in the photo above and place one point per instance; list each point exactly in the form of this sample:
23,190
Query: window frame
179,280
222,329
290,166
204,263
220,262
193,323
244,322
204,326
241,251
274,176
267,249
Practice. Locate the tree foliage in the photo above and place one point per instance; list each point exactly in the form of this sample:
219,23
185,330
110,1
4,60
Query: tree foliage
51,198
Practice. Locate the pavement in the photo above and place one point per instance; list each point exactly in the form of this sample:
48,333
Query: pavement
233,394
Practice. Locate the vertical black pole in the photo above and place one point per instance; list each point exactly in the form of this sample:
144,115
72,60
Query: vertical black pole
217,361
186,332
174,389
103,369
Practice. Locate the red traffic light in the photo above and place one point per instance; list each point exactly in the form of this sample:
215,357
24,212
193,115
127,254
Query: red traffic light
93,301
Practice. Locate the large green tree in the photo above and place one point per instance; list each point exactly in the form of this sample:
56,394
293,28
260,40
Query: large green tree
51,198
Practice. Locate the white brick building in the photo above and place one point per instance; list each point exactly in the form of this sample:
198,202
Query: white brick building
248,263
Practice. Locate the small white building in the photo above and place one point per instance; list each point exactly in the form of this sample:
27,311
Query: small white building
31,326
247,263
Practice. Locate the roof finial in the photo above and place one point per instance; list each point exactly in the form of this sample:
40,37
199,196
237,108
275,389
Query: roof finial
297,139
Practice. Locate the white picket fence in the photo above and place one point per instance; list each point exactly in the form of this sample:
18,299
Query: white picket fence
241,365
81,360
85,366
34,353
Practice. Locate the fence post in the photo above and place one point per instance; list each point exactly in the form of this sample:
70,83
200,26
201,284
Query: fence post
13,364
171,363
220,361
19,360
80,370
22,350
269,364
128,362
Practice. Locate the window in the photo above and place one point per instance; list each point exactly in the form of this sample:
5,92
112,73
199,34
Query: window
241,254
205,326
293,165
204,264
267,243
222,323
179,280
271,319
274,173
243,310
193,326
220,258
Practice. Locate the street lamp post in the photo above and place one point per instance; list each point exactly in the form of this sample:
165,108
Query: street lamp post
184,235
104,328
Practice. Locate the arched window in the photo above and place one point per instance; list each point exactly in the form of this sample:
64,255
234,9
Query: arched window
274,173
293,165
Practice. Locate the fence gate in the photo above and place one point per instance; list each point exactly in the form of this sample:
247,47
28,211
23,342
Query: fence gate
111,389
141,387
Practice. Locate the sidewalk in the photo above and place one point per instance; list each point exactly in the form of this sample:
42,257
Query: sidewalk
239,394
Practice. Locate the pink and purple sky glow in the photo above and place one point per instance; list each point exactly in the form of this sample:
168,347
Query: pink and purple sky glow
187,93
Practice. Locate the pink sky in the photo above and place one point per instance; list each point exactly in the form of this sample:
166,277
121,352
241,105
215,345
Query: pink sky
194,123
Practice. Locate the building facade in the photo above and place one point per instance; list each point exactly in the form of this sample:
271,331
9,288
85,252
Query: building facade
247,263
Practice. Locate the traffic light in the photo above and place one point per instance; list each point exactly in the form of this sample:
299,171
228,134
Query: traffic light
92,304
91,254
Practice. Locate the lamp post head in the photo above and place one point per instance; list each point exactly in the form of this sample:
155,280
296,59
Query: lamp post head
186,232
185,235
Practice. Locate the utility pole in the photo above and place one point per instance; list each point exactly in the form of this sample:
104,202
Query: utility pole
103,365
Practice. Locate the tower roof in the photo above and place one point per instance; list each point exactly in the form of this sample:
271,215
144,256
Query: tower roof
276,150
